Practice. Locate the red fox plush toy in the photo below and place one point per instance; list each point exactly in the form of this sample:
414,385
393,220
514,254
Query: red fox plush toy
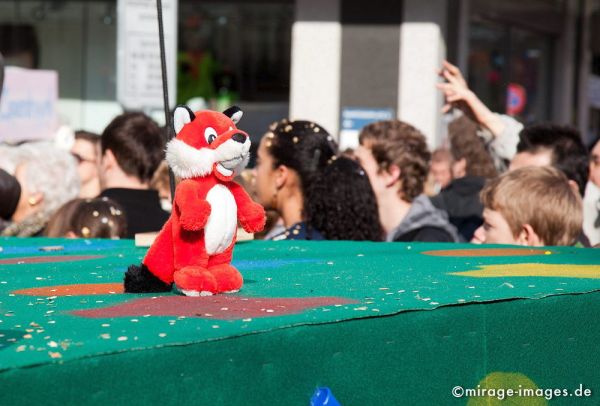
195,246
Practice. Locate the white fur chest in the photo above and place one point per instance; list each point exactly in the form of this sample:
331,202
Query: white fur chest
222,222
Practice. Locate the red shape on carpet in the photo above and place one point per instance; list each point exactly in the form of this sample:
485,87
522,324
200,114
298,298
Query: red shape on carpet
47,259
221,307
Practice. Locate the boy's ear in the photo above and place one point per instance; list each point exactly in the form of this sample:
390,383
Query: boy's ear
574,186
108,160
391,175
529,237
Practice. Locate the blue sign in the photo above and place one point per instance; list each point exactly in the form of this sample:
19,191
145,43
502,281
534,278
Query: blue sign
355,118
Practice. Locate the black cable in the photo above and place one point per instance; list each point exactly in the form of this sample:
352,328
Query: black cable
163,65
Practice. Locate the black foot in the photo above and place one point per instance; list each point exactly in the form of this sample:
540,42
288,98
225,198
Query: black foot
138,279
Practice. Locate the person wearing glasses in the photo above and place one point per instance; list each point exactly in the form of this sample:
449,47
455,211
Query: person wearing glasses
86,150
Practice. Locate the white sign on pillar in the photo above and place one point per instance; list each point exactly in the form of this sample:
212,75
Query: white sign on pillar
139,77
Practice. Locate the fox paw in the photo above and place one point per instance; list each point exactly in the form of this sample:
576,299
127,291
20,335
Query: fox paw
227,277
195,281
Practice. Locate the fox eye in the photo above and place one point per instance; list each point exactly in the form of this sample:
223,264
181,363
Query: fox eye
210,134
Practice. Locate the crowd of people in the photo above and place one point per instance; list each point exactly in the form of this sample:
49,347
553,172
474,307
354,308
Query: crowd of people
493,181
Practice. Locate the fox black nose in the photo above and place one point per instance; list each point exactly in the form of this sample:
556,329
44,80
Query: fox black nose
239,138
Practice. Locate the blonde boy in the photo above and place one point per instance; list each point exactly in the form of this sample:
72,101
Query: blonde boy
531,206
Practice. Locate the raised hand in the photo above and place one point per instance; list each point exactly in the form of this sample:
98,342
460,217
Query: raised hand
458,95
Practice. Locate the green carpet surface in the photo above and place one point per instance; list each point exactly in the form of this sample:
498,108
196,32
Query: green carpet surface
373,321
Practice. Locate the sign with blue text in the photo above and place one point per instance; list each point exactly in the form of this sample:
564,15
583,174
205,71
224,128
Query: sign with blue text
355,118
28,105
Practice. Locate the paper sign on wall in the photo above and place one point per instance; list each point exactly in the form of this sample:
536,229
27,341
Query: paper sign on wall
28,105
139,74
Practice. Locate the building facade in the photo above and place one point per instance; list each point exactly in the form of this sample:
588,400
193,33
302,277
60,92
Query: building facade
536,59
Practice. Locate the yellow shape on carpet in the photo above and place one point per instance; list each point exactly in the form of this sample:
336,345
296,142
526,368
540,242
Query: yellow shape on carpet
524,391
546,270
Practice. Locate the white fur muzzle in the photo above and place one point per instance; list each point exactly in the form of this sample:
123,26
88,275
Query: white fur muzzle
233,156
189,162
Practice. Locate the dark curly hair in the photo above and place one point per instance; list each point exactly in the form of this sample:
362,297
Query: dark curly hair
398,143
341,204
465,143
303,146
569,154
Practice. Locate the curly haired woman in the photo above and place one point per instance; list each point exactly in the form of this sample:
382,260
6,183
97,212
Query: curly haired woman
291,155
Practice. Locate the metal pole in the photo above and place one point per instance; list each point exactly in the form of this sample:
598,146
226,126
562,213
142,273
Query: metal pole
163,64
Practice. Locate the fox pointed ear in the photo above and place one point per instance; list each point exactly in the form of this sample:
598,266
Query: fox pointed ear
181,117
234,113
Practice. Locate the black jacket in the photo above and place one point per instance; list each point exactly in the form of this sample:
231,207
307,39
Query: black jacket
460,199
142,209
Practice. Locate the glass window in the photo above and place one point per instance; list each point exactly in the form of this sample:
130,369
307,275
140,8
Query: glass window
511,54
232,51
510,69
488,76
228,51
75,38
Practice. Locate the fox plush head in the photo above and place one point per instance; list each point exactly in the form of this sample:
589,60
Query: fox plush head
208,142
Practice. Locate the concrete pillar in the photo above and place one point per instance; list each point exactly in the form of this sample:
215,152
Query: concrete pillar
422,50
370,53
564,77
316,60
